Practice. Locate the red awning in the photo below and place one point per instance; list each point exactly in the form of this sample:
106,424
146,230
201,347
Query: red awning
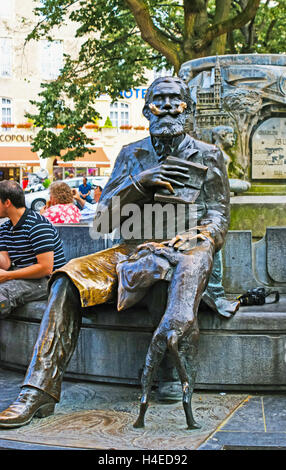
97,158
18,156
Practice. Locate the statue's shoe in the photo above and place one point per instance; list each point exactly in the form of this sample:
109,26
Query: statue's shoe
30,402
225,307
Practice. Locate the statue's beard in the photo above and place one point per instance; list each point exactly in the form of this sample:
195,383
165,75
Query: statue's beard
167,126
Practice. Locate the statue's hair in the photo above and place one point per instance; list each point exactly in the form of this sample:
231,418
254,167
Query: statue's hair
179,81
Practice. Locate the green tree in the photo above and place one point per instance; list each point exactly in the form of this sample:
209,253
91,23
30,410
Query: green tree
120,39
265,33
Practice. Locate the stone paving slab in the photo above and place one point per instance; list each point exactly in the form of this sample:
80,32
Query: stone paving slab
100,416
259,423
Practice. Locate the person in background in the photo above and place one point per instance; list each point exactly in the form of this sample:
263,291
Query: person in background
60,209
97,193
30,249
87,210
85,190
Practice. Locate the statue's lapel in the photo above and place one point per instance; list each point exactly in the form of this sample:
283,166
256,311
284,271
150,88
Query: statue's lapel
145,154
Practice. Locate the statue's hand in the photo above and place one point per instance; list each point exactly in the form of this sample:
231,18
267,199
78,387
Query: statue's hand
164,175
187,241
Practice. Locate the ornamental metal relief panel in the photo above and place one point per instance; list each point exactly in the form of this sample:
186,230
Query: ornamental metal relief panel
269,149
245,92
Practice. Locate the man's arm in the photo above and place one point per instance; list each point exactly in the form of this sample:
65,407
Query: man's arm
43,267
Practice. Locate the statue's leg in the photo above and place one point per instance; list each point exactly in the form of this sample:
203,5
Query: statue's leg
54,347
181,318
178,330
188,284
153,359
185,358
214,294
57,338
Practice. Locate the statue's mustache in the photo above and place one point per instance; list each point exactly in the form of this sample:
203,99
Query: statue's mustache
173,112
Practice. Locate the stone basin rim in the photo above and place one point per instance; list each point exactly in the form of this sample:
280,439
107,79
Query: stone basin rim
205,63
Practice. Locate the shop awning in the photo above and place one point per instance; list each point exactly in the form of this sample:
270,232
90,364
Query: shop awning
97,159
18,157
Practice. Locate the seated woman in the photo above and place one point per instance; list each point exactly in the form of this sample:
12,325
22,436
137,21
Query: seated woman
60,209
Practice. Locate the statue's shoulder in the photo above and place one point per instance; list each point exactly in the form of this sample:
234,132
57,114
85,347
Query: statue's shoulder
138,144
204,146
209,152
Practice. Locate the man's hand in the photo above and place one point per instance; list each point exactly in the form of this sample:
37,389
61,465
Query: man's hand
5,275
47,206
164,175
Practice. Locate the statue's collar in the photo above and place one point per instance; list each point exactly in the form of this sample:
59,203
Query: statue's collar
185,149
182,149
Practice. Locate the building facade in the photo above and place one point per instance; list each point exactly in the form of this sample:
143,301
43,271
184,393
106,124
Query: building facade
23,67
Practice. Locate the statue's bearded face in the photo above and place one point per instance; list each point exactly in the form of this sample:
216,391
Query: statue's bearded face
168,115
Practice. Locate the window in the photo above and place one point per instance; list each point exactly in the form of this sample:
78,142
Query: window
119,115
6,8
5,57
6,111
51,59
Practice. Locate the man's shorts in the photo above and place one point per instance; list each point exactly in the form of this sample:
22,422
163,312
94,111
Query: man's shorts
20,291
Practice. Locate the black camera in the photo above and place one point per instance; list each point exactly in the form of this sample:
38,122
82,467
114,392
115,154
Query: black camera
257,296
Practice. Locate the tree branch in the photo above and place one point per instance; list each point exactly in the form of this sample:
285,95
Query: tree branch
168,34
192,8
230,24
269,31
151,34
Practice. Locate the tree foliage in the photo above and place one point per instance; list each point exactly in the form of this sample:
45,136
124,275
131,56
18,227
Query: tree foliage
120,39
265,33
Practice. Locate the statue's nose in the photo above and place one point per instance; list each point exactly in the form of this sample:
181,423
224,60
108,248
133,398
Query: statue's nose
167,104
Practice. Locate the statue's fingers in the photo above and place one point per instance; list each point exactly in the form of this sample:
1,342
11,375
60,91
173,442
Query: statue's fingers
170,180
181,245
174,173
165,184
191,242
174,240
182,166
187,246
181,169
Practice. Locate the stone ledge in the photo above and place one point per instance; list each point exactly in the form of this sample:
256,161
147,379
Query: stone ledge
246,352
260,318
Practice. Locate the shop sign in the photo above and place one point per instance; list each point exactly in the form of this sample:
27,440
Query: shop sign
16,138
134,93
18,164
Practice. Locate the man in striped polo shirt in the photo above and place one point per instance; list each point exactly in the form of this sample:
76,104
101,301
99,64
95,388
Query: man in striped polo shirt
30,250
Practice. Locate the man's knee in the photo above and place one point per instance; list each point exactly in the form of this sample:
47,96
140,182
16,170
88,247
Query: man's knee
18,292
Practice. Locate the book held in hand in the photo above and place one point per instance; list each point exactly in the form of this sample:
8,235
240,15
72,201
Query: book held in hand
191,189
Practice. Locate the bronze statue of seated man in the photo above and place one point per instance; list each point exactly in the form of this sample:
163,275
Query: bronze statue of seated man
173,170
